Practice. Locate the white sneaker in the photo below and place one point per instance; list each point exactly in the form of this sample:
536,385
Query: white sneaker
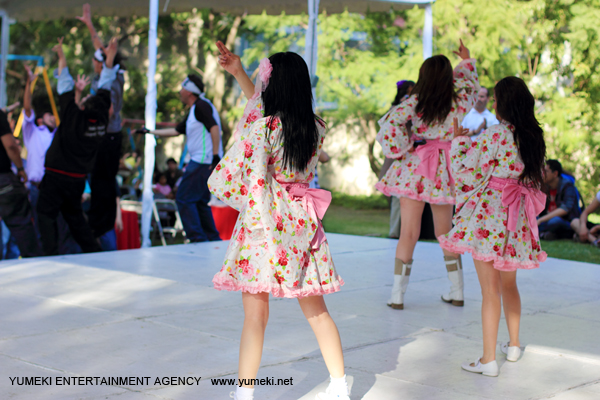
233,396
512,352
489,369
327,396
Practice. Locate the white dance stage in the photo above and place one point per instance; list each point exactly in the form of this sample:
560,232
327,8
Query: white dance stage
132,317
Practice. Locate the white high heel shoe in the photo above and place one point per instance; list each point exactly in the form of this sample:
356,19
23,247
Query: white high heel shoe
489,369
512,352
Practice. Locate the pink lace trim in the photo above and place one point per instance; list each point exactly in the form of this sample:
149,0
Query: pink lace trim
411,194
500,263
224,283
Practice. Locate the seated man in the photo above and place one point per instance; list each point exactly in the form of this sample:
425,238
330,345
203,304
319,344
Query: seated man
586,231
561,204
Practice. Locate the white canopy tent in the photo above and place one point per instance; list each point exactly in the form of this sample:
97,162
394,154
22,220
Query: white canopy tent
41,10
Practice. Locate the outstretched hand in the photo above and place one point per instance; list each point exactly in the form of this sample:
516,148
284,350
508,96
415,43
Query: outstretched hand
81,83
58,48
111,52
459,130
30,75
229,61
86,18
463,52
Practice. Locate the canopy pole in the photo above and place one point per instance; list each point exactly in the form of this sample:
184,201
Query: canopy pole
4,54
150,121
428,32
311,47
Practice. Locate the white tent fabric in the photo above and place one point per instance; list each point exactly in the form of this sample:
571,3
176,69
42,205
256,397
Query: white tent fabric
43,9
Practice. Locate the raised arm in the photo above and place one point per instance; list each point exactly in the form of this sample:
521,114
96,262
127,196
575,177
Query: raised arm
27,96
233,64
86,18
62,61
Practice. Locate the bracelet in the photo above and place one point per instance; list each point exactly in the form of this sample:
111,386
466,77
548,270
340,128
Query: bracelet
19,169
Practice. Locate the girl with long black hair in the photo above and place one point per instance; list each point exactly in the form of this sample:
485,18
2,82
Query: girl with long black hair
423,175
497,202
278,245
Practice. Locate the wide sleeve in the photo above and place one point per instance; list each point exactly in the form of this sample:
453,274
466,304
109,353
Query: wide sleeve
241,176
473,162
466,83
393,135
28,126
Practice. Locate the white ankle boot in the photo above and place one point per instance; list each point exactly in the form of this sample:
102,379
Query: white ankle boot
337,390
489,369
455,274
401,277
512,352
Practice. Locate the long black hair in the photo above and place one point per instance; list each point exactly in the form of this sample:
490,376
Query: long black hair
289,97
403,89
515,104
435,89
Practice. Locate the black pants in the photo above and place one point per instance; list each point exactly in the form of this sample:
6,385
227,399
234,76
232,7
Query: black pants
103,207
15,210
62,194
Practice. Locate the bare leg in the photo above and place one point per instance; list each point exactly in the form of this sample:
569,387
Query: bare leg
410,227
489,279
327,334
511,300
442,221
256,316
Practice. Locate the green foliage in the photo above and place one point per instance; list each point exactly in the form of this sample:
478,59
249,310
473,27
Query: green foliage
373,202
554,45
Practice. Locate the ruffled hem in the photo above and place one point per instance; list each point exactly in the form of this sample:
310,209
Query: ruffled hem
500,263
225,283
411,194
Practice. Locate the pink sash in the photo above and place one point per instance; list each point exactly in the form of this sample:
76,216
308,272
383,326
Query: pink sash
512,194
315,202
429,154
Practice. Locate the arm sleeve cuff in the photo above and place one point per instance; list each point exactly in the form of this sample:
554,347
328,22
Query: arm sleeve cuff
65,81
107,76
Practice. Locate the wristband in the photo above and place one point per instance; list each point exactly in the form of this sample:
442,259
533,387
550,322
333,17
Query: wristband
19,169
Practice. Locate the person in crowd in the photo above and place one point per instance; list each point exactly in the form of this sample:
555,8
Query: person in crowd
72,152
276,150
403,90
479,118
561,204
15,208
37,137
204,146
162,187
586,231
103,209
173,173
498,197
423,175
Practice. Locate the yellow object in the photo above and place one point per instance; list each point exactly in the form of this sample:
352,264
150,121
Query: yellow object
44,71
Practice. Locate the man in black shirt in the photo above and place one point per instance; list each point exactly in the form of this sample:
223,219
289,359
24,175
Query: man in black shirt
72,153
15,209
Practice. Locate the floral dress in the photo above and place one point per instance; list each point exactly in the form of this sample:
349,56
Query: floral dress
272,248
481,219
402,179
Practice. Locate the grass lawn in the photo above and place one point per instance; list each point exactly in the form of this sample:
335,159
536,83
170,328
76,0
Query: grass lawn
370,216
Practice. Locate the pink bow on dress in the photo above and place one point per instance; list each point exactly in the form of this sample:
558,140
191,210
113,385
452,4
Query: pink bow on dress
429,154
535,202
315,202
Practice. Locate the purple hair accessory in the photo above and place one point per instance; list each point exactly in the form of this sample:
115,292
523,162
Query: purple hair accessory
399,83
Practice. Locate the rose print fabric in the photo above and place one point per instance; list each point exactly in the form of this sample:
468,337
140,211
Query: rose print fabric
480,221
402,180
270,250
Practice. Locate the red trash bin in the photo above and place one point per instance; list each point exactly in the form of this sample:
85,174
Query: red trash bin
225,219
129,238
